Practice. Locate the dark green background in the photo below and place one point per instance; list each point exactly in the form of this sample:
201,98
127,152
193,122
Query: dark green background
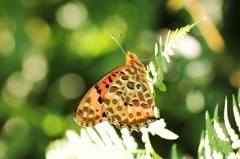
47,65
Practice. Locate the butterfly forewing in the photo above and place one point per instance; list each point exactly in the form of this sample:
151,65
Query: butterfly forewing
90,111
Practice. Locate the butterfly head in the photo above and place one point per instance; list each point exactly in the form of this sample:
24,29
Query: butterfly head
131,58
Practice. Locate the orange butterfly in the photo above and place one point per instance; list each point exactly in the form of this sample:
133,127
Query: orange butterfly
122,97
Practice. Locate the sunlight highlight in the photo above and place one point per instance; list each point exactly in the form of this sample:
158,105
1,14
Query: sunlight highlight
207,28
72,15
234,78
38,31
90,42
115,24
71,85
34,65
7,40
189,48
200,72
53,129
16,126
195,101
16,89
17,86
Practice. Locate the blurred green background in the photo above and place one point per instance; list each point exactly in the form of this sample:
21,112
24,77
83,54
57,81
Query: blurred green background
51,51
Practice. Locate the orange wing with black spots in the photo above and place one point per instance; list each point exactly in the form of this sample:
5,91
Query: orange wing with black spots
129,101
123,97
90,111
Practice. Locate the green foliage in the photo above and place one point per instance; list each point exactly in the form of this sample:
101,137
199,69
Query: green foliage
174,153
52,51
214,142
173,40
158,66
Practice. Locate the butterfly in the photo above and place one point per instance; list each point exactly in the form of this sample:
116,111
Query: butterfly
123,97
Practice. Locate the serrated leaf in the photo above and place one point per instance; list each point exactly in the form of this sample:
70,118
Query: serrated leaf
162,52
219,144
173,39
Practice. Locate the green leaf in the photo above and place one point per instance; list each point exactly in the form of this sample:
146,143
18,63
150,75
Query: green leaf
201,145
214,142
162,52
216,113
161,86
174,38
174,154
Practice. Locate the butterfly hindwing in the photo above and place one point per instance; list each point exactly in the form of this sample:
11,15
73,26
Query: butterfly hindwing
129,102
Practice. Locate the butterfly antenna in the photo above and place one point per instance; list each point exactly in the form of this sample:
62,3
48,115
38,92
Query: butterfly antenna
118,44
124,46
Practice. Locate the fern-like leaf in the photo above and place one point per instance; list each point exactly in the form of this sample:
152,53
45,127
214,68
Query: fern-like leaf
214,142
173,39
162,52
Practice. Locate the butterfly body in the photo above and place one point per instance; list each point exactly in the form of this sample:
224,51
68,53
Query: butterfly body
122,97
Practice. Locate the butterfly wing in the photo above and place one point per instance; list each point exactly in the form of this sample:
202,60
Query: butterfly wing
122,96
90,111
129,101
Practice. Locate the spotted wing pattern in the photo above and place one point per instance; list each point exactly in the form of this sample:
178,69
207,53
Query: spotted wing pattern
122,97
129,101
90,111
